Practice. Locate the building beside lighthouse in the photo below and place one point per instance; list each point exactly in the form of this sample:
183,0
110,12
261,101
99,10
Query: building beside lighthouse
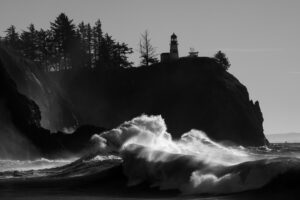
173,54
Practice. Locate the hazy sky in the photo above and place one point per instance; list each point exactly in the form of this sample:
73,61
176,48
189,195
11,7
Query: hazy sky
261,38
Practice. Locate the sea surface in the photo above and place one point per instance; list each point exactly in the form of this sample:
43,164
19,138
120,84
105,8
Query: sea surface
140,160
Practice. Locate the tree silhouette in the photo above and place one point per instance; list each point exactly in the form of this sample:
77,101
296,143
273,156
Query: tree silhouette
97,42
83,45
89,38
12,37
120,52
147,51
107,49
43,47
222,59
64,36
65,46
29,42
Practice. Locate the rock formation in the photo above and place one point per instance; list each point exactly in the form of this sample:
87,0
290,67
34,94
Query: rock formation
190,93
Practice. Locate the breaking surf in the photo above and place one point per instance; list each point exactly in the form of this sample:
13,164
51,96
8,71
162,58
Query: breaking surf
141,154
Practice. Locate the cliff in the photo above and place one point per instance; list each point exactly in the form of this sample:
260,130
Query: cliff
191,93
21,134
34,83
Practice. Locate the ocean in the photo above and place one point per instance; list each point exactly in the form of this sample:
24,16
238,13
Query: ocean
140,160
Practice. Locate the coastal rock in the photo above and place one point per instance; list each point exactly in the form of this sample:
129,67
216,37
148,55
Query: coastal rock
190,93
21,133
34,83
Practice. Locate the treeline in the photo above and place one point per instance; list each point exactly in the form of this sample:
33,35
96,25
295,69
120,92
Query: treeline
67,46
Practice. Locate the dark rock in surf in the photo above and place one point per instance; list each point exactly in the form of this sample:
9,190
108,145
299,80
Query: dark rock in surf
189,93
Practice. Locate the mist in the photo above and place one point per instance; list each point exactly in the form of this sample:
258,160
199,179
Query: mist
13,145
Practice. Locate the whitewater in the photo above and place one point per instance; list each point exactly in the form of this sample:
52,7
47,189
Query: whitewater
142,152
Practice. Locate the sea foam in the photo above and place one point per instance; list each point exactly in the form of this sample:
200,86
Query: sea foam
193,163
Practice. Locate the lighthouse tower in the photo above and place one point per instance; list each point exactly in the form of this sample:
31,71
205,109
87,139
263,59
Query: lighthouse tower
174,47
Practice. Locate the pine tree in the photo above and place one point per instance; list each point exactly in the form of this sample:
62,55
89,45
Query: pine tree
64,46
29,43
64,36
89,44
97,42
43,47
83,46
12,38
107,46
82,31
120,52
47,50
222,59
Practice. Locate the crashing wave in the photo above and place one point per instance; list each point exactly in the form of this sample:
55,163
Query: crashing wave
21,165
193,164
142,151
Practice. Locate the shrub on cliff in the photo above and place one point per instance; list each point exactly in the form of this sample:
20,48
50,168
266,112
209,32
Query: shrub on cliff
222,59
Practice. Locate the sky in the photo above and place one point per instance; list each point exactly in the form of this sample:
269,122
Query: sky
260,37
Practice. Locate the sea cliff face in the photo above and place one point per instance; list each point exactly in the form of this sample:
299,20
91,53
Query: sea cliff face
190,93
32,82
21,133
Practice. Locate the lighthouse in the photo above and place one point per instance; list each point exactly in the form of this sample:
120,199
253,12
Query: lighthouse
174,47
173,54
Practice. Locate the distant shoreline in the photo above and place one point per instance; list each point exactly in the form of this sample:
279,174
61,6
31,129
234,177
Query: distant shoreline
284,138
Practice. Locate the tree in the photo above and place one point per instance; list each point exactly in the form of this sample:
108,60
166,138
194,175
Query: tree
12,37
120,52
53,58
29,42
64,36
107,47
65,46
147,51
84,33
222,59
44,47
97,42
82,57
89,38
